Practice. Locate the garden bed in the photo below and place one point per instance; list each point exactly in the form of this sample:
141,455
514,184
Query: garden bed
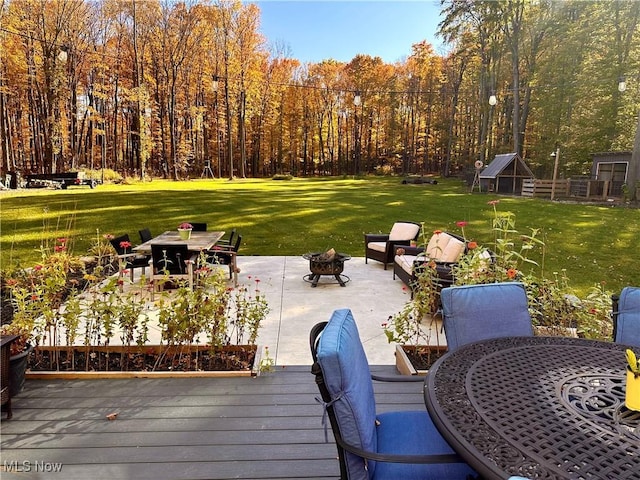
147,361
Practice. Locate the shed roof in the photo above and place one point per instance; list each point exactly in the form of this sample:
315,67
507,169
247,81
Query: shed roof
611,154
502,161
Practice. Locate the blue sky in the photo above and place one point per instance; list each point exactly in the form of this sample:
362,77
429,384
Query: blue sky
315,30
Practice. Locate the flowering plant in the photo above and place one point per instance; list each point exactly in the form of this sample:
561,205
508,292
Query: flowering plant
37,294
185,226
267,363
408,326
554,306
102,249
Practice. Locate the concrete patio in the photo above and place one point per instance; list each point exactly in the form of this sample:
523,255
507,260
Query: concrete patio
371,294
265,427
296,306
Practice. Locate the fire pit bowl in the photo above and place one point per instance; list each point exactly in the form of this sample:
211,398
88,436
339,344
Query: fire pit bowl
326,263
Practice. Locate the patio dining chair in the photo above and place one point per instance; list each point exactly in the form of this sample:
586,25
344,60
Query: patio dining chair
227,242
626,317
171,262
382,247
392,445
129,260
226,255
479,312
198,226
145,235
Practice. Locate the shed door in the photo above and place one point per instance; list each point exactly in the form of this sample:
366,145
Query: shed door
614,172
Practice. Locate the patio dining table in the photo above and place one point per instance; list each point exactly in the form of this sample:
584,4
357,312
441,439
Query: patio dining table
198,241
537,407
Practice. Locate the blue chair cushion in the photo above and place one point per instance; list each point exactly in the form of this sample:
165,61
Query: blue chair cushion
413,433
348,379
628,324
480,312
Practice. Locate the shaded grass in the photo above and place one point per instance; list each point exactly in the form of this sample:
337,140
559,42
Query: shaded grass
593,243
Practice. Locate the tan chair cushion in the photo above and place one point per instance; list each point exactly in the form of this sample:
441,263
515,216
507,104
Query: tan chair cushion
437,244
404,231
452,251
377,246
406,262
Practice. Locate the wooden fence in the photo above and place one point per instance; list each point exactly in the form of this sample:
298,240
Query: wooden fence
583,187
543,188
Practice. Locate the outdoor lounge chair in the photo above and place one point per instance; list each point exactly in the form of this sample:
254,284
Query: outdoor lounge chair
171,262
444,248
479,312
129,260
382,247
392,445
626,317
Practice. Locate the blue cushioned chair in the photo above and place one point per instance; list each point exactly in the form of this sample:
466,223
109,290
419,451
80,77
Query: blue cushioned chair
626,317
401,445
480,312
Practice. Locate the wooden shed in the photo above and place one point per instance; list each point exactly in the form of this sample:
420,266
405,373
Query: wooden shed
611,167
505,174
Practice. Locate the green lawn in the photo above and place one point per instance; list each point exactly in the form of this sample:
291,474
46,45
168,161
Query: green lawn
593,243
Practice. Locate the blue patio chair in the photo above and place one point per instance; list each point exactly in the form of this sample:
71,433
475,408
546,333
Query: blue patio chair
392,445
626,317
479,312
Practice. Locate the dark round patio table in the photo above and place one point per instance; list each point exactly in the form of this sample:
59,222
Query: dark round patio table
538,407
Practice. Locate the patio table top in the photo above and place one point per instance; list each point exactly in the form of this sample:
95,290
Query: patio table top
197,242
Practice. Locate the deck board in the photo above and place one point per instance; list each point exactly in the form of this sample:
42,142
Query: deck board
267,427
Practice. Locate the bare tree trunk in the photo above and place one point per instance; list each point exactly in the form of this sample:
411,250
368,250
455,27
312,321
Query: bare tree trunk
5,146
242,133
633,175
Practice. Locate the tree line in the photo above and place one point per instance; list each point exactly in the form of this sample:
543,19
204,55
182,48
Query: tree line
181,89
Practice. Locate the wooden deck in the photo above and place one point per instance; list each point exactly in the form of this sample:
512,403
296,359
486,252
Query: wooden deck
268,427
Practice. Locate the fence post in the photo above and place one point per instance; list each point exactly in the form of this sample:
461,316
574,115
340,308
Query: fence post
555,172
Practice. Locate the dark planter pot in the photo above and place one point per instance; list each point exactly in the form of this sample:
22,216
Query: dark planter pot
17,370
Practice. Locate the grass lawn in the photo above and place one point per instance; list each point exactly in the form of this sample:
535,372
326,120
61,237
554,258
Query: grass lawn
594,243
